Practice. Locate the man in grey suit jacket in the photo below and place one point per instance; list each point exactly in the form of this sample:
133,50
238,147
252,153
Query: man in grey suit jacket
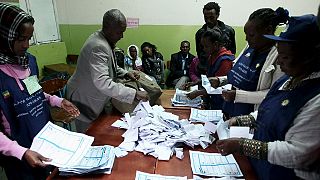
93,84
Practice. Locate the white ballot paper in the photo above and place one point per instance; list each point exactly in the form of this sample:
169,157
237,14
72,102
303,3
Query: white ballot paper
146,176
239,132
210,90
214,164
198,115
98,159
64,147
224,132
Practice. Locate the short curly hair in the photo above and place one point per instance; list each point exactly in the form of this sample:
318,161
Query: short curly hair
212,5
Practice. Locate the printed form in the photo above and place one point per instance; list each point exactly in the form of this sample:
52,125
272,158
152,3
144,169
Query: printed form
64,147
214,164
198,115
146,176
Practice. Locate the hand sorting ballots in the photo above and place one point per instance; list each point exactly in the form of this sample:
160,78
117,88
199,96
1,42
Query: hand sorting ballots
229,95
35,159
70,108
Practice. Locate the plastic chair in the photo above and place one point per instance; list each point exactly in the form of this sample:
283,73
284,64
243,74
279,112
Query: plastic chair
56,87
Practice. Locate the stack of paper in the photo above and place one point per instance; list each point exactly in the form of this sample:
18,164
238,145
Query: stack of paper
99,159
214,164
155,132
72,152
180,99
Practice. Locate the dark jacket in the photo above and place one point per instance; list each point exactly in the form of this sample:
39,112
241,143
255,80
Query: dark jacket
228,39
152,66
176,67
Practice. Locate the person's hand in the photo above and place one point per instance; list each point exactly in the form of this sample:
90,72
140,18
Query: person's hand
228,146
192,95
186,86
35,159
142,95
214,81
232,121
229,95
70,108
189,84
133,75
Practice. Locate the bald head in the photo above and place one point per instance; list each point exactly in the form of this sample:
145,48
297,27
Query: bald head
113,17
113,26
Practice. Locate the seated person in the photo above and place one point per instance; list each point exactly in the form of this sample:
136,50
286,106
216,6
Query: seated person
286,141
119,53
132,61
179,66
152,63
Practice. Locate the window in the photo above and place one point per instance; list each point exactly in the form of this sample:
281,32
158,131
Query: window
44,13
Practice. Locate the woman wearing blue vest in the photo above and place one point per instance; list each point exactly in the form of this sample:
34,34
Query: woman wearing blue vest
286,143
219,63
245,73
24,107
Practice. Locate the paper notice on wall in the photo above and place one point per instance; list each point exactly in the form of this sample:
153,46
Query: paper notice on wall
132,22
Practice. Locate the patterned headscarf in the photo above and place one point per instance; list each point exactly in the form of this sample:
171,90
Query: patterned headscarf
11,17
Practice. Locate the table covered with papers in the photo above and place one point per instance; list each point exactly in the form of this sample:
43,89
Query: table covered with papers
137,164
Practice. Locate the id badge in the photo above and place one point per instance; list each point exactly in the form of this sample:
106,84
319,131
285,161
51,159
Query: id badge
32,84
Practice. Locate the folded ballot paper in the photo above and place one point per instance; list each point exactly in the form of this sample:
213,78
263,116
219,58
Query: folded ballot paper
153,131
180,99
225,132
210,90
72,152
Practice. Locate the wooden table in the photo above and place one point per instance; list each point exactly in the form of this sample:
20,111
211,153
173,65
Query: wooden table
165,100
61,67
125,168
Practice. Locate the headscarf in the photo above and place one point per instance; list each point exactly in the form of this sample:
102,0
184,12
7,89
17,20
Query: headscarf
11,17
128,50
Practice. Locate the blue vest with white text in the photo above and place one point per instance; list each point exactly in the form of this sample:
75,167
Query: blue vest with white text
215,100
245,75
275,116
26,113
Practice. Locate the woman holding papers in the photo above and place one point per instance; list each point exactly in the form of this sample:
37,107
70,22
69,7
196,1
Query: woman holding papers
286,141
245,74
24,106
219,64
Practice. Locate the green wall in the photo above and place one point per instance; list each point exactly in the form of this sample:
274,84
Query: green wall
167,38
51,53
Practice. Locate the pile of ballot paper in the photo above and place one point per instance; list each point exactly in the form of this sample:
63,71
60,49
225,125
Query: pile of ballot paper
72,152
99,159
153,131
180,99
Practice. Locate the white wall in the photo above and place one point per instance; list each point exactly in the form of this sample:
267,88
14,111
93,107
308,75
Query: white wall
173,12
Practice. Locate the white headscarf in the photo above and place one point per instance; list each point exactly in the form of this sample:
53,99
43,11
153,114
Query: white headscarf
128,50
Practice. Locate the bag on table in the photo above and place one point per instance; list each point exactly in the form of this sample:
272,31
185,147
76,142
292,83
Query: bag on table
153,89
